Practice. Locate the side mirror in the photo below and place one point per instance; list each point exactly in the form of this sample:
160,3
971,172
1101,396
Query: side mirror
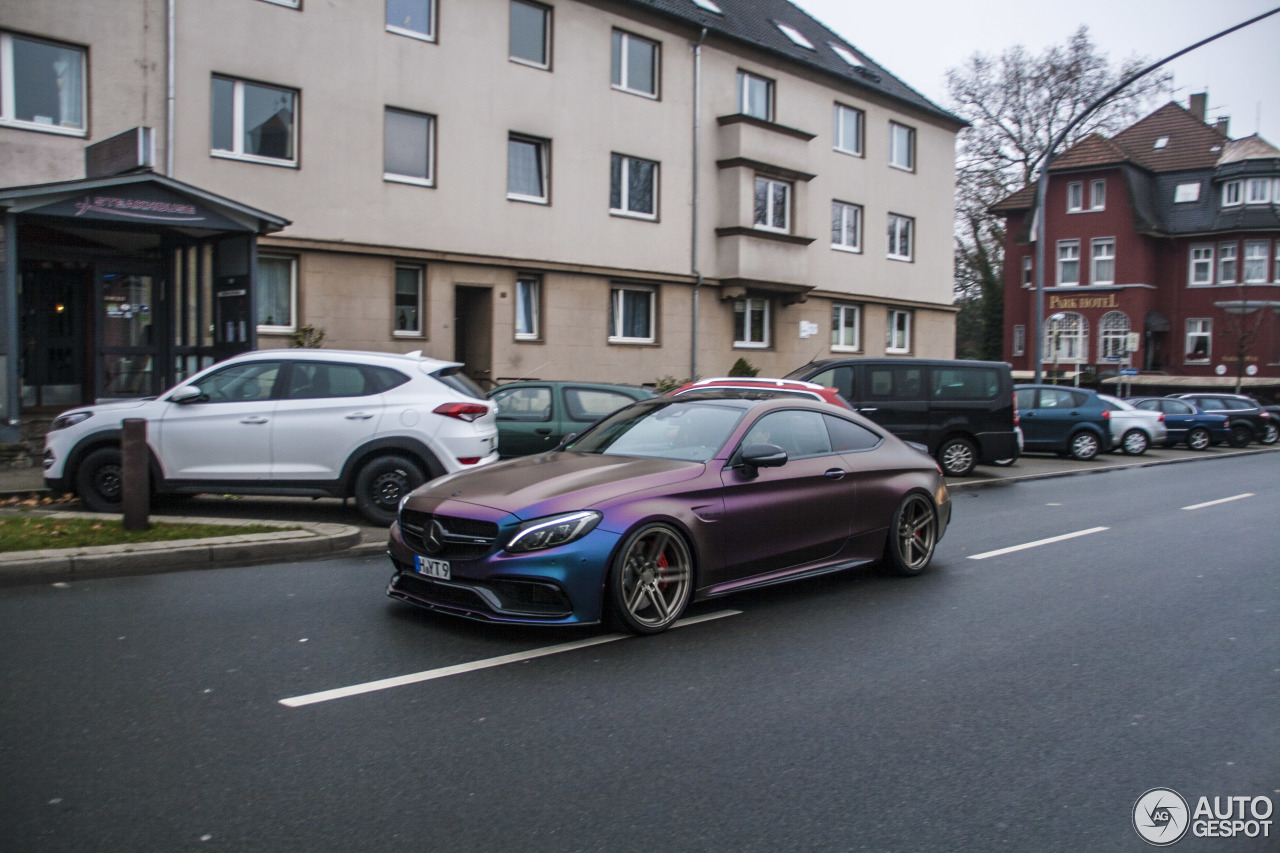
566,441
186,394
762,456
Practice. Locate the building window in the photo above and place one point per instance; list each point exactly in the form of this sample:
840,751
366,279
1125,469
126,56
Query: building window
277,287
1098,195
901,237
1028,272
848,130
527,169
1019,339
292,4
902,146
1276,276
1231,193
416,18
528,307
898,337
1075,197
797,37
632,315
42,85
1199,337
409,300
1113,336
635,64
1258,191
1228,261
1066,339
1255,261
846,328
633,187
1068,263
1104,261
530,40
408,143
751,323
755,96
1201,265
773,205
846,226
1185,193
252,121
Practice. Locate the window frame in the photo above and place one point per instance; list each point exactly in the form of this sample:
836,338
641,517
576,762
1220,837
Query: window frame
237,152
1113,336
898,223
276,328
896,147
1228,263
1187,193
420,295
770,183
1197,328
1019,339
617,313
545,63
838,141
1207,260
396,177
1028,272
1095,260
1260,198
1259,261
1075,197
428,36
895,330
620,40
1098,194
543,148
1064,245
854,246
745,79
10,78
1232,193
624,189
528,290
750,306
1073,331
840,312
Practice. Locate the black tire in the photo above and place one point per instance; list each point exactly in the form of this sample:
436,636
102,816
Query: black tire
1006,462
1198,438
1270,433
1084,446
100,481
380,485
913,536
957,456
1241,435
651,580
1135,442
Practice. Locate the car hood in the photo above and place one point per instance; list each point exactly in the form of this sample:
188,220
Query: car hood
121,406
548,483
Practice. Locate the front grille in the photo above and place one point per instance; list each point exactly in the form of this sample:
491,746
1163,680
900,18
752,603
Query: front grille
497,599
447,537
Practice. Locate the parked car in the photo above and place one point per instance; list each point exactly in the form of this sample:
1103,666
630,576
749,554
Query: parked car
768,387
1133,430
962,411
668,501
1064,420
310,422
1249,421
534,416
1186,422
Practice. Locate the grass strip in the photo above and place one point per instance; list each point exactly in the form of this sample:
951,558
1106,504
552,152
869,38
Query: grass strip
37,533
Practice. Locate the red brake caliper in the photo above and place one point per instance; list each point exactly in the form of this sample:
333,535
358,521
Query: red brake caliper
662,564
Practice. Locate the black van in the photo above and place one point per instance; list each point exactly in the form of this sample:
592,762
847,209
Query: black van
963,411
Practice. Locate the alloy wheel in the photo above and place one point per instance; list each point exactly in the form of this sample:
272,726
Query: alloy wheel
654,579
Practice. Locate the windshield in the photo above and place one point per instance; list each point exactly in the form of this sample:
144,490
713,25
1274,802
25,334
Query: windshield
685,430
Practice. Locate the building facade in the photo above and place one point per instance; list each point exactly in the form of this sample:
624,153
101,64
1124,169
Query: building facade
617,190
1162,259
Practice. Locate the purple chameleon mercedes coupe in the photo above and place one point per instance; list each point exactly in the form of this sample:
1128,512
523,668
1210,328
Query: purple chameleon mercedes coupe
664,502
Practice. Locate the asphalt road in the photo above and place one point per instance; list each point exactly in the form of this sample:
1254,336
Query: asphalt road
1021,700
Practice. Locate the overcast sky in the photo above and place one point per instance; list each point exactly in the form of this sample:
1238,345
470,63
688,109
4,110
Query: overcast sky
918,40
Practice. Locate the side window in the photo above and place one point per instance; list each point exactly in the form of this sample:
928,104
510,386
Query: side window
896,383
799,433
524,404
384,379
1149,405
1026,398
316,381
586,404
847,436
1052,398
241,383
964,383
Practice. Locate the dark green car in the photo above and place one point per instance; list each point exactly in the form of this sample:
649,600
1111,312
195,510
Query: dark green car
533,415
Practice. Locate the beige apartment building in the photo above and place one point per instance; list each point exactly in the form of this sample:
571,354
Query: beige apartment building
613,190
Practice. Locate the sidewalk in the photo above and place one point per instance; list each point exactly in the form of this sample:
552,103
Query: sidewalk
328,527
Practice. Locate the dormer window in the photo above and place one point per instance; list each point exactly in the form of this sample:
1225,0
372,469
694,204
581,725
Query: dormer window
1186,193
1161,142
796,36
1232,193
708,5
1258,191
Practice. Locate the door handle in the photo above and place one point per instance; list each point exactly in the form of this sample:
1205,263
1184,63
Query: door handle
253,419
834,474
543,431
359,416
868,409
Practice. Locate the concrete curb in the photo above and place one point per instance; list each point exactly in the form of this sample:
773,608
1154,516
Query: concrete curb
296,540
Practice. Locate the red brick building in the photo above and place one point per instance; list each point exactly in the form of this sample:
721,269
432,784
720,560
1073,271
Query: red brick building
1162,254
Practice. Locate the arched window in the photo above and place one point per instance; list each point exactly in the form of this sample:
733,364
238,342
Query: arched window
1066,338
1113,334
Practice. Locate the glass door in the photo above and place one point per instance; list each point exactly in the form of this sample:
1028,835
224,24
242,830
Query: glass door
127,342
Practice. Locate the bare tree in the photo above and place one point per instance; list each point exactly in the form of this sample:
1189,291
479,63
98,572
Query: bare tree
1016,103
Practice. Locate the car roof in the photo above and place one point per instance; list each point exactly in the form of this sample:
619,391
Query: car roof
311,354
751,381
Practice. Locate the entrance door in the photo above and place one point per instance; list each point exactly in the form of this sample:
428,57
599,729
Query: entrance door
128,312
55,310
473,332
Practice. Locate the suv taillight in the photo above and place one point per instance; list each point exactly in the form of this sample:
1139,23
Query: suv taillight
1015,408
468,412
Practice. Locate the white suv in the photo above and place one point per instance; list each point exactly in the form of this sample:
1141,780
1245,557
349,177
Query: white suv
320,423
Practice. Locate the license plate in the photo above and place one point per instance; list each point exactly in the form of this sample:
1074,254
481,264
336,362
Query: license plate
431,568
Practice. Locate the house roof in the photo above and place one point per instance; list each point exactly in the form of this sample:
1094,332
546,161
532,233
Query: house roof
755,22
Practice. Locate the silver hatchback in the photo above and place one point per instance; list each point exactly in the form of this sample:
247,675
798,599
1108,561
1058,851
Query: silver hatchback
1133,430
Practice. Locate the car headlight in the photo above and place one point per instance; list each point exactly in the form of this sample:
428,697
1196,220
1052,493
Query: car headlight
550,532
64,421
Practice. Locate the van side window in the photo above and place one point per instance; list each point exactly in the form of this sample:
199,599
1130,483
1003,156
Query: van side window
896,383
965,383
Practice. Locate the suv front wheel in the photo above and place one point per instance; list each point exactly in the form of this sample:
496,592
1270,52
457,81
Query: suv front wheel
100,482
380,485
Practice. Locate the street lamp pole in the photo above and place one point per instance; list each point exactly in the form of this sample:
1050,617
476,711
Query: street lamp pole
1042,181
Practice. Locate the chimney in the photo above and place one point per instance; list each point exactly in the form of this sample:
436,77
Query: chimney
1222,123
1198,105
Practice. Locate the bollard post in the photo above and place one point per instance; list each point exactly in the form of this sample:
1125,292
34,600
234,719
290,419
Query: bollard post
135,482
